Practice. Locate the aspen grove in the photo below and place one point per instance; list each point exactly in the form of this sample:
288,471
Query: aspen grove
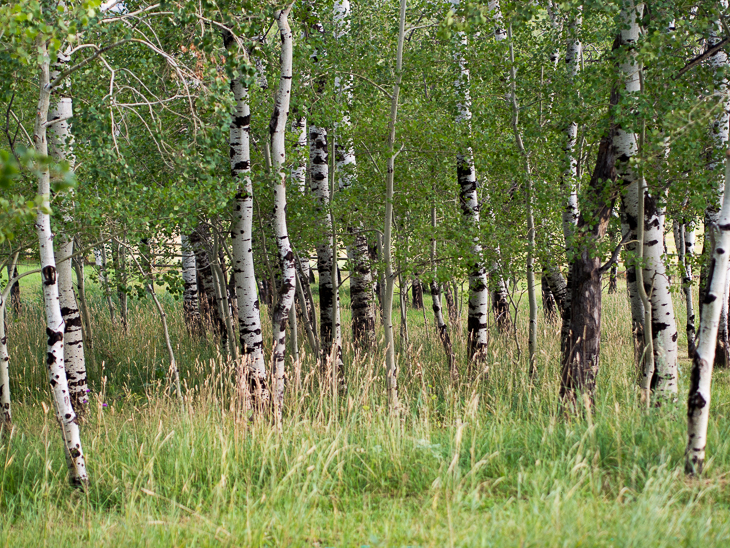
344,273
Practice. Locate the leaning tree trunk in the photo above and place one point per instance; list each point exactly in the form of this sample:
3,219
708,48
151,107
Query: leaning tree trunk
277,129
698,404
61,141
65,413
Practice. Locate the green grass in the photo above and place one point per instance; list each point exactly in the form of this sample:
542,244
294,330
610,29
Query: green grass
491,463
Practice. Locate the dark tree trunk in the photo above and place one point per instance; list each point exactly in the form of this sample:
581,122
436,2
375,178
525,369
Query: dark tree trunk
361,295
209,311
581,354
15,303
549,308
417,291
451,305
500,306
119,261
613,279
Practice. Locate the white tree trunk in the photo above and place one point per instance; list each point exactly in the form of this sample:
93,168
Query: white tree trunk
61,141
656,284
5,415
698,404
277,128
391,367
73,341
570,173
469,200
319,180
54,320
249,314
191,309
688,240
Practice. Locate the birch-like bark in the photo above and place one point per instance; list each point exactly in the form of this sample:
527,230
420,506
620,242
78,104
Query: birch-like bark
210,312
570,173
438,316
61,148
361,295
391,368
277,129
687,234
65,413
15,302
698,404
5,414
720,133
78,265
319,180
191,309
629,233
470,208
249,313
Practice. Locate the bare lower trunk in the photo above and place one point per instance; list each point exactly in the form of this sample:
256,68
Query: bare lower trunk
581,352
698,404
5,414
15,303
73,341
361,290
277,129
191,309
549,307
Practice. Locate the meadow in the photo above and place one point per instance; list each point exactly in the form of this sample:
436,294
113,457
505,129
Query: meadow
494,461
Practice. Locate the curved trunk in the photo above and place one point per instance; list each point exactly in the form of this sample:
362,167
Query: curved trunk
65,413
277,129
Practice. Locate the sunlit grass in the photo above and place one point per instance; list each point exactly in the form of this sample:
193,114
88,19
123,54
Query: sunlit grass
492,462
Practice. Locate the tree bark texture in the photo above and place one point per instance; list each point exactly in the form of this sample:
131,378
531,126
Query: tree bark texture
65,413
277,130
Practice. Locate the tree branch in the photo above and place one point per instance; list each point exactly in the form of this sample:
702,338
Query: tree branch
697,60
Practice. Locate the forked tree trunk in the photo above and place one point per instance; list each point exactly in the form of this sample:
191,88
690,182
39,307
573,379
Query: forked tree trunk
277,129
61,141
65,413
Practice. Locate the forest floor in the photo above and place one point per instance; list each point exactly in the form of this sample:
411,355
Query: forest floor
494,462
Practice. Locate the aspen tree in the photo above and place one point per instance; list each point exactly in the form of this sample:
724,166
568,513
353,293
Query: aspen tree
65,413
470,208
700,379
277,129
191,309
249,314
391,367
61,141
